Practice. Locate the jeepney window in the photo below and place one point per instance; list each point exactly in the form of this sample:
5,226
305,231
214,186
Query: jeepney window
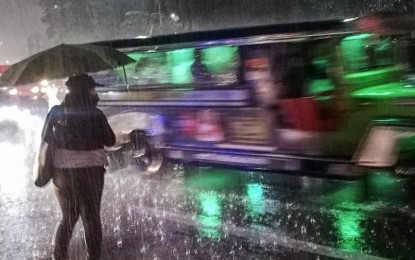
303,67
367,51
193,67
294,79
295,70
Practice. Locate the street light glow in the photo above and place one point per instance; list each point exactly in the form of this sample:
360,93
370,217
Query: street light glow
174,17
44,82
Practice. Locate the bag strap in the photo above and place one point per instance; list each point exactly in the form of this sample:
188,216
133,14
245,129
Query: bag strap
50,122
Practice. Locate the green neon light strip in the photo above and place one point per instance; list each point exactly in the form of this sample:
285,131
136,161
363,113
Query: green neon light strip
388,120
386,91
320,85
357,37
373,73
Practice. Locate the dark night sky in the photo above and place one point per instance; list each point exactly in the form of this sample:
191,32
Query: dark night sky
21,19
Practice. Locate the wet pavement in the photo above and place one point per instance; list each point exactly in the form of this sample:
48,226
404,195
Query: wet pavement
214,213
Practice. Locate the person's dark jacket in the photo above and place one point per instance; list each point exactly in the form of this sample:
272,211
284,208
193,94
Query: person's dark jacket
72,128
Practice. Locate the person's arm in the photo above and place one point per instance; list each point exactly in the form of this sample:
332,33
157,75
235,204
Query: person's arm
47,131
109,136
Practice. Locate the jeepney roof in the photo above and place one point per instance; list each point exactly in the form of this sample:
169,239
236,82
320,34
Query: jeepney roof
234,36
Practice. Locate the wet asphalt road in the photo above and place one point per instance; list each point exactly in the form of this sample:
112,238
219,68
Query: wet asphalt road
214,213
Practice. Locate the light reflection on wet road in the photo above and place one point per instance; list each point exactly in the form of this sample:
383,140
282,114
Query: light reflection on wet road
212,213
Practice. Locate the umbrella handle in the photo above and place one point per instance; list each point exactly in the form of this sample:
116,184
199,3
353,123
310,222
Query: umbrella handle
125,75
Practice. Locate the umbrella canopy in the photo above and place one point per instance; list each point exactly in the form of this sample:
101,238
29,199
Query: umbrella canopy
62,61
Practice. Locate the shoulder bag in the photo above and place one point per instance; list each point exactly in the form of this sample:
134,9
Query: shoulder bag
43,167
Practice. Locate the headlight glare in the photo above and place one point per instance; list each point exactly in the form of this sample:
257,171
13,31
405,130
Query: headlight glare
13,91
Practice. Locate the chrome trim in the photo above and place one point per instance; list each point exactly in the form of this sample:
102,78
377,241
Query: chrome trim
272,155
174,103
263,39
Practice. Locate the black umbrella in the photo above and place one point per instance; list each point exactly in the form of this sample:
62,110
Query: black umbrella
63,61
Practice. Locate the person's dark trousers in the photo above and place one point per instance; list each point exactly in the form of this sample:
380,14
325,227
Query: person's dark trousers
79,193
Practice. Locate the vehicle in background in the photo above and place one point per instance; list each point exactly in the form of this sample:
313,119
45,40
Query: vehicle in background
295,97
36,98
29,97
4,95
